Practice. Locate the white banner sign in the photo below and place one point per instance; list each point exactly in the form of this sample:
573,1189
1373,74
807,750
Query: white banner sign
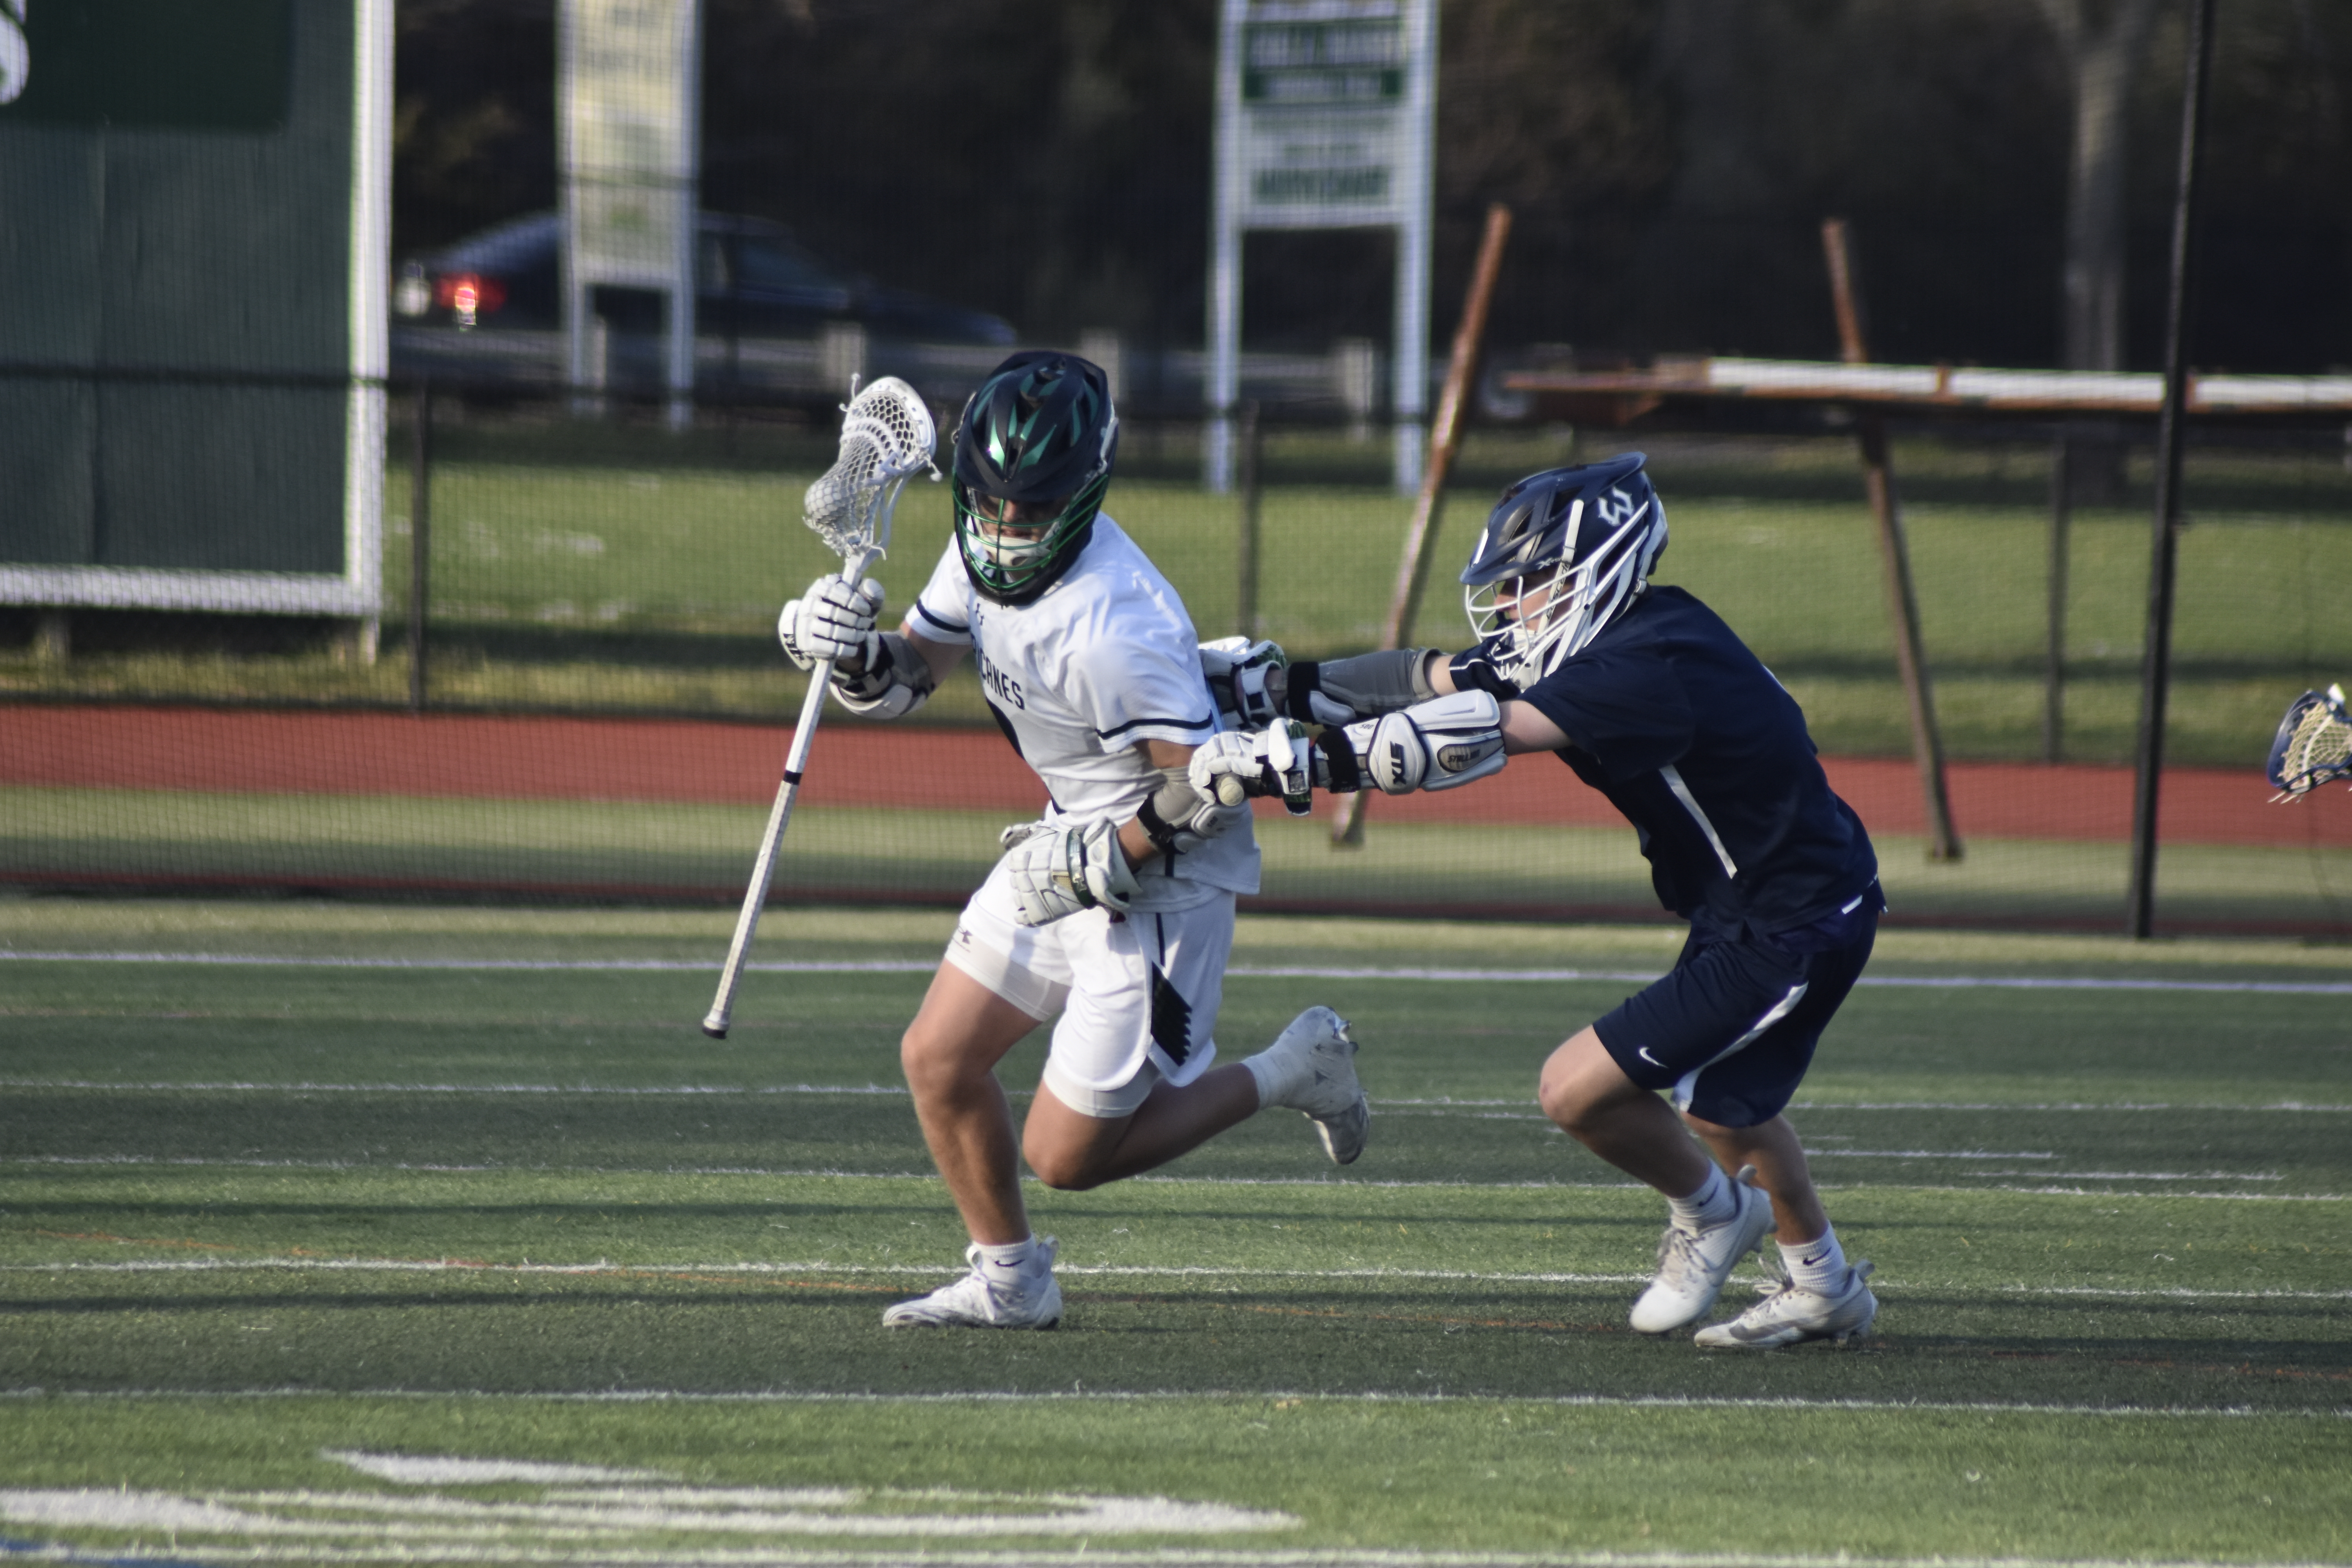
1326,114
632,111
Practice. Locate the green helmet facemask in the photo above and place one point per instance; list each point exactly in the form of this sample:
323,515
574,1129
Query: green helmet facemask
1040,432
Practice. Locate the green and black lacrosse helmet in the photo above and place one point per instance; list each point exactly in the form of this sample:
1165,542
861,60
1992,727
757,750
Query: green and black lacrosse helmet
1040,431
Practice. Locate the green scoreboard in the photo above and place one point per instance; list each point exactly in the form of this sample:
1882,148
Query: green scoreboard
193,264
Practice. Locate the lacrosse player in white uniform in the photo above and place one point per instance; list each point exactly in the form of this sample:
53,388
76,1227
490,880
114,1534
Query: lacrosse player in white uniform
1117,910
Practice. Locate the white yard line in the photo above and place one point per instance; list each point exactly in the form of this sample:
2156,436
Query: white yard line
604,1268
1260,971
1514,1109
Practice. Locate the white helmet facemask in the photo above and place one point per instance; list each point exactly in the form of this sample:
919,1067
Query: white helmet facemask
1602,563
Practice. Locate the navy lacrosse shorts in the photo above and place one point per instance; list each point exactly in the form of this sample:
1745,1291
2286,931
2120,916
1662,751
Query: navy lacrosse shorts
1730,1029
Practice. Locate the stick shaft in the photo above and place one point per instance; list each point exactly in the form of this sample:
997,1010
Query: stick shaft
779,817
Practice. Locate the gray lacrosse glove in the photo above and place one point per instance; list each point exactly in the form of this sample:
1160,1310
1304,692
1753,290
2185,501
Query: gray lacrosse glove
1277,760
832,621
1179,816
1247,679
1342,691
1061,868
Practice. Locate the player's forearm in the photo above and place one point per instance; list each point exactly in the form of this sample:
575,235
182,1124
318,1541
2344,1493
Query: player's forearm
1525,729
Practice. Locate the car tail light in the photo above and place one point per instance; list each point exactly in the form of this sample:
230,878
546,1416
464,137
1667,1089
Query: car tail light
470,296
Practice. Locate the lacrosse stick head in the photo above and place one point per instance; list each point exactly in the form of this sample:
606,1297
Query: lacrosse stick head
887,434
2313,745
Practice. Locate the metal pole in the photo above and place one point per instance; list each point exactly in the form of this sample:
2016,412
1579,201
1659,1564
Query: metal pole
420,540
1894,553
1251,444
2155,672
2054,670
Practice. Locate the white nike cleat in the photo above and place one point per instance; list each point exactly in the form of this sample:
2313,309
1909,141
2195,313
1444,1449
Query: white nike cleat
1324,1058
1693,1265
1788,1314
1031,1302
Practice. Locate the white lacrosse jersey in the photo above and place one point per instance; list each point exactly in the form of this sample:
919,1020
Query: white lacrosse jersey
1079,678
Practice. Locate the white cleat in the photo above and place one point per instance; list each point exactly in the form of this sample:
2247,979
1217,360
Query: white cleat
1693,1265
1790,1315
1332,1098
1031,1302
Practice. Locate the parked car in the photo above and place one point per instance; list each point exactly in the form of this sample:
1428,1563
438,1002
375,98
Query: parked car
489,308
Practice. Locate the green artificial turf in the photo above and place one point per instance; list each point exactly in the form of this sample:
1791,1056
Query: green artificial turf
647,576
282,1181
662,849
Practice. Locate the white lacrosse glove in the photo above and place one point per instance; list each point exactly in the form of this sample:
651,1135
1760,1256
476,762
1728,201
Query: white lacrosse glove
1277,760
1341,690
832,621
1061,868
1247,679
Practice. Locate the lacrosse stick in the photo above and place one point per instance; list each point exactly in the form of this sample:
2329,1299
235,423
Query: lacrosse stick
2313,745
887,435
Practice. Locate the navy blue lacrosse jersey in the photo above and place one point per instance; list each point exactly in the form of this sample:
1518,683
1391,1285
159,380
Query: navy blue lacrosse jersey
1671,716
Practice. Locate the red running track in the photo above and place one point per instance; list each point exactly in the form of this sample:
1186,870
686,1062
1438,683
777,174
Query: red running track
857,764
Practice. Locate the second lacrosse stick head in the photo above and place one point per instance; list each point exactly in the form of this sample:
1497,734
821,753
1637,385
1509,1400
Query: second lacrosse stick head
2313,745
887,434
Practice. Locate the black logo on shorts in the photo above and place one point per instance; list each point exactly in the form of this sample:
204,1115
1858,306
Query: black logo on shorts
1171,1019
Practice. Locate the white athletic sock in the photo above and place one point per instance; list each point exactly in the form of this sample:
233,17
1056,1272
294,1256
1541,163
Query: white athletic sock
1712,1204
1277,1078
1818,1266
1010,1261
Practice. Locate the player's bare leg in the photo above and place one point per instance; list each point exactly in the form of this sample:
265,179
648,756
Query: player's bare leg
1715,1223
950,1053
1587,1095
1780,1170
1072,1151
1816,1294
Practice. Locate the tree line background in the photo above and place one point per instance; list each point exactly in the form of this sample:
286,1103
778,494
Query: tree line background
2007,166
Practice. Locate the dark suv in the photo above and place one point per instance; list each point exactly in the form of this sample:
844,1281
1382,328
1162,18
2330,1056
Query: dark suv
489,308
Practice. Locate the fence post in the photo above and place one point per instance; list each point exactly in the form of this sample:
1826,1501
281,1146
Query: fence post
2155,672
1902,599
2053,672
1251,443
1444,440
420,539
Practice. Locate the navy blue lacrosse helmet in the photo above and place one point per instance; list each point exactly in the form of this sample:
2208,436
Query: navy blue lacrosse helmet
1040,430
1574,546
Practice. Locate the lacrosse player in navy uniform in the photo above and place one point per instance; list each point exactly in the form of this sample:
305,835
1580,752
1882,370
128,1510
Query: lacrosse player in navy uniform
1117,910
1653,700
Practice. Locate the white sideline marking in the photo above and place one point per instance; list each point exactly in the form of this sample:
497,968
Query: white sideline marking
1255,970
158,1161
409,1469
604,1268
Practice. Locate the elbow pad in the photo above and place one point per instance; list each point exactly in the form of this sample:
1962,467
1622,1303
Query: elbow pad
895,683
1340,691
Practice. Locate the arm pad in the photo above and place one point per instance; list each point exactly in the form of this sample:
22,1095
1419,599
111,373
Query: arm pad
896,682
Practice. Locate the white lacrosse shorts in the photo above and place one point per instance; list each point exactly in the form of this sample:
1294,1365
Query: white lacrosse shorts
1137,994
